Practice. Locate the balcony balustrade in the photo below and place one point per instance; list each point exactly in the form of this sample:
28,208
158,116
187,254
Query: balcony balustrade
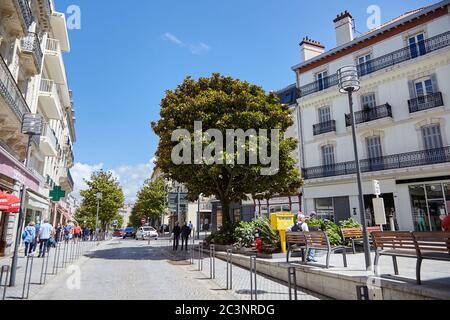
426,102
25,12
11,92
379,112
398,161
407,53
324,127
31,45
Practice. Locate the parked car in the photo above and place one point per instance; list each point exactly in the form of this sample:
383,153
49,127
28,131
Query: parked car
118,233
129,233
146,233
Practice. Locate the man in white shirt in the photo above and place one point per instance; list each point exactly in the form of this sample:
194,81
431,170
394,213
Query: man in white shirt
45,233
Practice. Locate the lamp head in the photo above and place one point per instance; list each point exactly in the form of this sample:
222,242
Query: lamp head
348,79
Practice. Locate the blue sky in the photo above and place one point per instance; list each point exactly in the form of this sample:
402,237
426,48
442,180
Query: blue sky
127,53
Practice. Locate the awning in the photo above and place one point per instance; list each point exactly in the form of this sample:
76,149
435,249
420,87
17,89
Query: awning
9,203
64,212
37,202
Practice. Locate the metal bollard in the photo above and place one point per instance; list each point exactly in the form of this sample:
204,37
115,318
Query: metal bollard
200,257
229,269
54,260
212,261
4,269
253,283
46,265
292,281
57,257
28,266
66,253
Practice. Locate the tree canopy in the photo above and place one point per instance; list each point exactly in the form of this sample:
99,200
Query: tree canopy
223,103
150,204
112,201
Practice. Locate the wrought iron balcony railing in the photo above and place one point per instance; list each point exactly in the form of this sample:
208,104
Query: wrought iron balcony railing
32,45
11,92
70,179
403,160
324,127
430,101
408,53
379,112
25,11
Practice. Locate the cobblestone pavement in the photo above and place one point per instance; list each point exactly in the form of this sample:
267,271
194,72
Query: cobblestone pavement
130,269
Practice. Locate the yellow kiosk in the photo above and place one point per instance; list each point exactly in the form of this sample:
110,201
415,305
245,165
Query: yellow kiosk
281,221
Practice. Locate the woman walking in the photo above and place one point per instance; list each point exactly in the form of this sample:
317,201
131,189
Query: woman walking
29,237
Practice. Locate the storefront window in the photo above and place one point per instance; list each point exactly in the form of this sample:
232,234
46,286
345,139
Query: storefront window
428,203
324,208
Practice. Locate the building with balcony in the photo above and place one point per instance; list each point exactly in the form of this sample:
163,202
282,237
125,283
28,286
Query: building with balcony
402,113
32,33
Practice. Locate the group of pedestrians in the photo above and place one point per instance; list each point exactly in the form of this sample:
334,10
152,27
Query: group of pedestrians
38,234
184,232
46,236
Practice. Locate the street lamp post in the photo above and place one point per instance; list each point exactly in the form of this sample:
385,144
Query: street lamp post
99,196
32,125
348,83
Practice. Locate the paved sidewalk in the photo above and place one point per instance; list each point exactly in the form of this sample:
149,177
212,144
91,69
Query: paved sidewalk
43,271
267,289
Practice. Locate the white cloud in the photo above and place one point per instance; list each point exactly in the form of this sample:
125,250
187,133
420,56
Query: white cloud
197,49
130,177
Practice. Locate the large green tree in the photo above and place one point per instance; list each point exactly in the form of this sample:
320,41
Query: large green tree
223,103
150,203
112,201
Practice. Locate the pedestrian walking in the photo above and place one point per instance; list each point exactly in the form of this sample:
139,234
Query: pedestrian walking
37,227
86,234
29,238
176,236
77,233
185,233
58,232
67,231
45,233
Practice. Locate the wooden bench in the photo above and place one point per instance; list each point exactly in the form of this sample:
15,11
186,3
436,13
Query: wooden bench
295,241
355,235
319,241
416,245
431,246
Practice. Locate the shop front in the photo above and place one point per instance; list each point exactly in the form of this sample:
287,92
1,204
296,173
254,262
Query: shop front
429,202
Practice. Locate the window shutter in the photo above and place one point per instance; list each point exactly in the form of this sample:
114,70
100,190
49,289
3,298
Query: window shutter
433,78
412,90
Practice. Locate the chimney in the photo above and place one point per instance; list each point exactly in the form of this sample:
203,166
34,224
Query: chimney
344,28
310,49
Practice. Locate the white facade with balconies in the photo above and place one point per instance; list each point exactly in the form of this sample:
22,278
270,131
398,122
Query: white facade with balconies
33,38
402,114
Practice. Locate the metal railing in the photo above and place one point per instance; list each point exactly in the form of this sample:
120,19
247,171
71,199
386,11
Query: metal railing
407,53
11,92
50,135
52,45
398,161
379,112
25,12
47,86
70,179
31,44
324,127
426,102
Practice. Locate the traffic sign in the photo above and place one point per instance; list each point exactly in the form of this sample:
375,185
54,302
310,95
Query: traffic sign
376,188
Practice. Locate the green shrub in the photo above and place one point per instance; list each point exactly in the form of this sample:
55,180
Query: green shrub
332,229
350,223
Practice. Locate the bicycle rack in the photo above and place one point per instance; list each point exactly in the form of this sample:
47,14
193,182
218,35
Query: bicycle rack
5,269
253,278
29,265
229,269
292,283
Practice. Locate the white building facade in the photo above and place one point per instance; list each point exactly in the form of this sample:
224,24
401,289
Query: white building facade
402,112
33,38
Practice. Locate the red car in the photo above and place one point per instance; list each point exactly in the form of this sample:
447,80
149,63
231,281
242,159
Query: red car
118,233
